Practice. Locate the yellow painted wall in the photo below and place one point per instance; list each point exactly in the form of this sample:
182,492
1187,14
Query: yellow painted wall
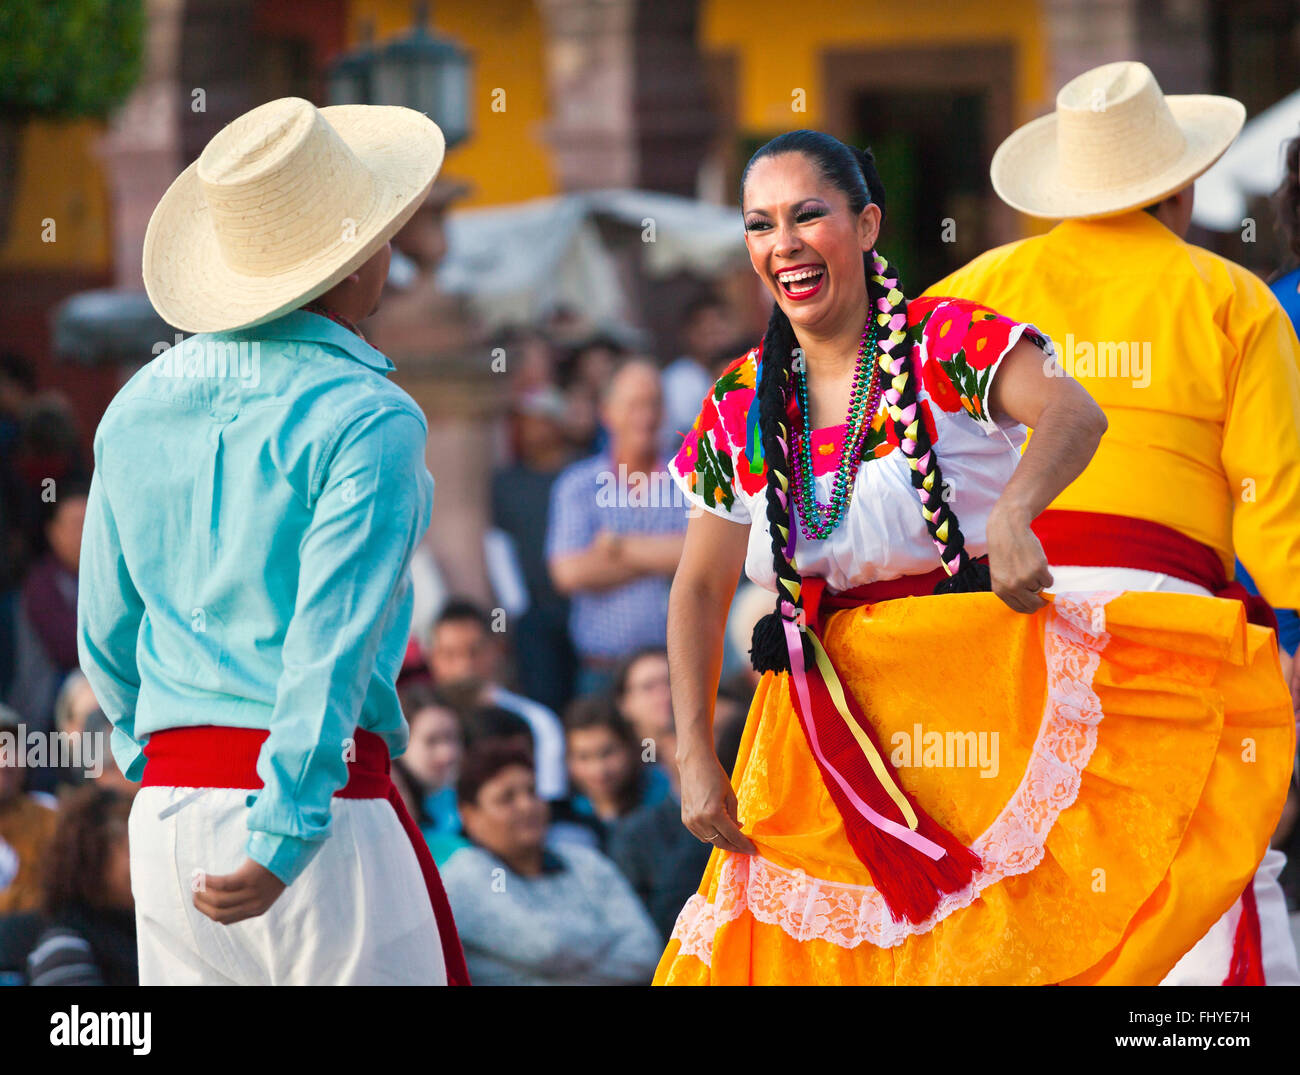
59,178
779,47
505,157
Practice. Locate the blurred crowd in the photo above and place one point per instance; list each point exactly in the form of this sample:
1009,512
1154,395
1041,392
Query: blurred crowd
541,730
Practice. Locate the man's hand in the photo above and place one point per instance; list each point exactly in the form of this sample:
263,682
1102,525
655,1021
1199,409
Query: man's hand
246,893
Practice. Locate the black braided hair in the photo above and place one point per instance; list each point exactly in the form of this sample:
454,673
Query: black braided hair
854,173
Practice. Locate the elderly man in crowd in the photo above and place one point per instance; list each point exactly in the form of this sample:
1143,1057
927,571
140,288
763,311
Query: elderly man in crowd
615,531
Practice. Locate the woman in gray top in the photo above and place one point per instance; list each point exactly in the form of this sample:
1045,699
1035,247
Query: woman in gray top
529,914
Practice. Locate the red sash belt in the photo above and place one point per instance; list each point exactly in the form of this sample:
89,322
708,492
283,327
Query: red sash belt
1097,539
213,757
819,602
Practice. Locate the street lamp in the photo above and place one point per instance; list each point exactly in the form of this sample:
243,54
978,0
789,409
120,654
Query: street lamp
421,71
349,77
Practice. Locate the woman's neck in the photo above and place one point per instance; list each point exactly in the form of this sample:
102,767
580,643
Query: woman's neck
833,354
830,363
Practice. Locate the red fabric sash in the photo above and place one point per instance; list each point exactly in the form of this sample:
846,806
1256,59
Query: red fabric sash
910,881
211,757
1097,539
1247,966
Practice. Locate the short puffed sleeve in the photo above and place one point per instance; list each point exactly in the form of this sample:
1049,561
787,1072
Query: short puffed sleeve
960,346
719,464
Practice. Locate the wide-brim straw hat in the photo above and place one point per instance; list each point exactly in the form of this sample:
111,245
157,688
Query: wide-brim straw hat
283,203
1114,143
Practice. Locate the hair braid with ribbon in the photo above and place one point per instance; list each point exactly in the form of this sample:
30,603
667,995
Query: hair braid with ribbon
854,173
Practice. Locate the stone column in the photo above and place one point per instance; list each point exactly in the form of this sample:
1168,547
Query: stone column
142,149
443,361
1171,38
1083,34
629,102
590,69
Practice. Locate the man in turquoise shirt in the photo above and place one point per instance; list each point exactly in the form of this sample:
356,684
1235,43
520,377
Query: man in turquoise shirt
259,489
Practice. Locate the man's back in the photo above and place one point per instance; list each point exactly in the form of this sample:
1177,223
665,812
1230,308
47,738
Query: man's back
254,464
1196,368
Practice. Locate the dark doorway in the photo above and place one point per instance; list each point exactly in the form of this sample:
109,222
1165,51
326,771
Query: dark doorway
927,145
933,117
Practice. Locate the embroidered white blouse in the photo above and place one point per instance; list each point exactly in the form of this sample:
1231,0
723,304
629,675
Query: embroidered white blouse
957,349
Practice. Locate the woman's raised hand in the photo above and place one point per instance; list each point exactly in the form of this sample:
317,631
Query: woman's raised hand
1017,564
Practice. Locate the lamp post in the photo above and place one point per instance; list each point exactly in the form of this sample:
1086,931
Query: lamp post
350,76
420,70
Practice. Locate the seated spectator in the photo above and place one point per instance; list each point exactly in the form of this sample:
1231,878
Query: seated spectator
606,767
658,855
90,935
74,703
430,764
529,914
642,693
494,724
73,706
46,646
26,824
615,532
465,654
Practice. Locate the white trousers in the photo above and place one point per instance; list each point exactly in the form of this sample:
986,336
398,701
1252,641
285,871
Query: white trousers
359,914
1208,961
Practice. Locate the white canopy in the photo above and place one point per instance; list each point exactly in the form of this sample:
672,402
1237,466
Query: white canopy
1252,165
519,263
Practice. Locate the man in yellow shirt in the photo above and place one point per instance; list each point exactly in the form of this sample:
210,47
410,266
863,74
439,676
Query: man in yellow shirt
1197,369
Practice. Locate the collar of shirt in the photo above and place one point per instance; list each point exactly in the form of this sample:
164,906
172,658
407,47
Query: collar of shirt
1102,235
312,328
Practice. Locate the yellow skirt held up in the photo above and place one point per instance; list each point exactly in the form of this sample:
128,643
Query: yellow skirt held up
1119,762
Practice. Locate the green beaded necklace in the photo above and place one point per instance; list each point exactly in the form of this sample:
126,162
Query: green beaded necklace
818,521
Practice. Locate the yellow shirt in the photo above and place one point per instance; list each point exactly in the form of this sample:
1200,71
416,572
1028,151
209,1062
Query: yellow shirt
1197,368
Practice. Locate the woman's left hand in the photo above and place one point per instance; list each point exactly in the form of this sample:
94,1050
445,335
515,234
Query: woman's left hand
1017,563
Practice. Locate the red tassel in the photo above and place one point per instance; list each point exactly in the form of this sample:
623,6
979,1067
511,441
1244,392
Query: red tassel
910,883
1247,946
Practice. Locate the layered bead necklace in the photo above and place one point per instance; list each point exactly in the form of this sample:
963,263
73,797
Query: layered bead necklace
817,520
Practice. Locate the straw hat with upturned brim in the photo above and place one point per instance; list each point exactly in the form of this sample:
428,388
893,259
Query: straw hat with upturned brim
1114,143
284,203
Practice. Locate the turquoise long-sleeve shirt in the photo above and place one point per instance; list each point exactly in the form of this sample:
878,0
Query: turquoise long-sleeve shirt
256,499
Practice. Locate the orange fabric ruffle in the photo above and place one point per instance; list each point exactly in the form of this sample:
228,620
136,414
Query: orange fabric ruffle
1118,761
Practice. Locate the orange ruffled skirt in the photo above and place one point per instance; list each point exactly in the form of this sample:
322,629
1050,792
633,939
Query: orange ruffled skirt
1119,762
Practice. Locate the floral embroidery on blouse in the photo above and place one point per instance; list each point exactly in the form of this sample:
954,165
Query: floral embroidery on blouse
963,342
957,345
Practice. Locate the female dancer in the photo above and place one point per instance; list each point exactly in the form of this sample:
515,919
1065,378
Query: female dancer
927,791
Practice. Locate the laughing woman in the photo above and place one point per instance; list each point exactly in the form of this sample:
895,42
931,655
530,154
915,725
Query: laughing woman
937,783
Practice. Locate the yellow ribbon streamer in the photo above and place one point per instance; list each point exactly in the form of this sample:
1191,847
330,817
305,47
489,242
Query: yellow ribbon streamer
832,682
